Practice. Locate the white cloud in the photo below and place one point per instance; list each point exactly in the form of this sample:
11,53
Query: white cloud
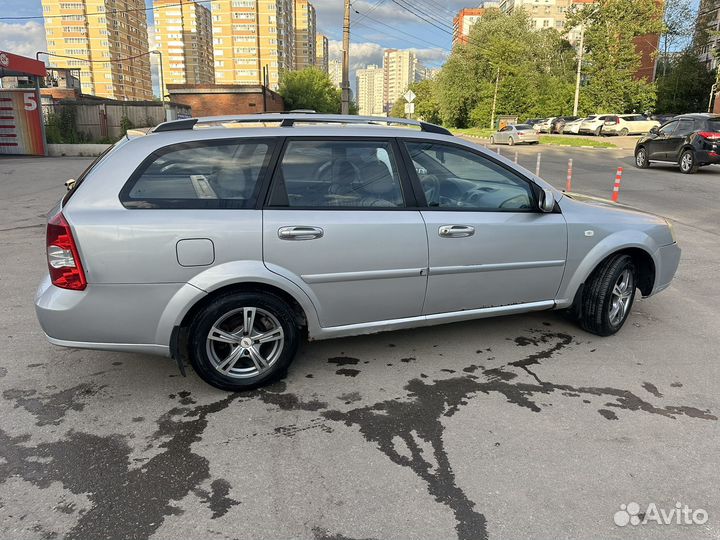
24,39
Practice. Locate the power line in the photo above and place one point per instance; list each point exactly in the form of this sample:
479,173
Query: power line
372,8
422,18
395,29
108,12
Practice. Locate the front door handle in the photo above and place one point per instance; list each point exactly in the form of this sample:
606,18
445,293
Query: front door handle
300,232
456,231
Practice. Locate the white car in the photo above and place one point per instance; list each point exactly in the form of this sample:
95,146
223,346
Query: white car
543,126
594,124
628,124
572,127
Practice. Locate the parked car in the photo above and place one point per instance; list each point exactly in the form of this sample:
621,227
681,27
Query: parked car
227,244
628,124
533,121
515,134
594,124
572,127
690,140
557,125
662,118
543,126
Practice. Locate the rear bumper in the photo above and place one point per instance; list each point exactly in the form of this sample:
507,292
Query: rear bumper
120,317
709,157
667,262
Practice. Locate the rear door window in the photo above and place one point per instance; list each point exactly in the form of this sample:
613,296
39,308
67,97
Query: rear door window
685,126
205,174
337,174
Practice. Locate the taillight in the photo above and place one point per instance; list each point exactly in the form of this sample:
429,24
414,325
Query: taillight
710,135
64,264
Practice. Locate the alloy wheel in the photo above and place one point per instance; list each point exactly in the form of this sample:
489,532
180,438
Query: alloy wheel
621,297
686,162
245,342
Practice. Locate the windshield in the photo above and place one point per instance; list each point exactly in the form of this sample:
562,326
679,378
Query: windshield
714,124
523,127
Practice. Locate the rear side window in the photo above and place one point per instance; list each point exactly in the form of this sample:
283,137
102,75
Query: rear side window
328,174
205,174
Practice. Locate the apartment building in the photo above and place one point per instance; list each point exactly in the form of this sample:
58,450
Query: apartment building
707,27
400,69
322,52
463,22
253,40
108,41
305,34
335,72
183,33
546,14
371,91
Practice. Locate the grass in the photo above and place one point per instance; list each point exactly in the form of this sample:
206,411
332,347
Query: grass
474,132
574,141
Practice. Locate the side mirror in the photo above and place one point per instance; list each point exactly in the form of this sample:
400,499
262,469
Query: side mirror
547,201
654,130
69,184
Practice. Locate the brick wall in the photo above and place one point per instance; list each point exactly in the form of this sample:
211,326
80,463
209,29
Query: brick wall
226,99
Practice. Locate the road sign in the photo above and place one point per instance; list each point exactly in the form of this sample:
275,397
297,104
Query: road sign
409,96
409,108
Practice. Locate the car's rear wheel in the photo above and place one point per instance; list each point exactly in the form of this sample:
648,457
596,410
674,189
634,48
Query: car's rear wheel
243,340
608,296
624,132
598,131
511,141
641,158
687,162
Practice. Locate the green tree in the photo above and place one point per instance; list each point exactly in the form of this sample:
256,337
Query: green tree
685,87
611,58
532,70
310,88
426,107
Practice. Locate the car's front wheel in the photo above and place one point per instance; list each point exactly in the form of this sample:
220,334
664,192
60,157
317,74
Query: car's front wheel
641,158
688,164
243,340
624,132
511,141
608,296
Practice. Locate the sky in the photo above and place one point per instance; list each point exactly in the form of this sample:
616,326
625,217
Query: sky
375,25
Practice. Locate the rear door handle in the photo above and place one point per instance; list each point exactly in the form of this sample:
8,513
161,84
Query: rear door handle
300,232
456,231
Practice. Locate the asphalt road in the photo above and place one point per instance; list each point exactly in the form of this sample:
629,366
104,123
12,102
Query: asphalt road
519,427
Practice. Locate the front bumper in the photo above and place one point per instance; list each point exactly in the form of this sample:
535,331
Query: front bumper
667,262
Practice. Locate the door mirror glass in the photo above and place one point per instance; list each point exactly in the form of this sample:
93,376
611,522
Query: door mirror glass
547,200
654,130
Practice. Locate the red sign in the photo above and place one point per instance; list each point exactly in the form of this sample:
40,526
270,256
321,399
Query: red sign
20,123
21,65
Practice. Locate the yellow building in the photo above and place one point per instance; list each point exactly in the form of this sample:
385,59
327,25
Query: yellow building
321,52
183,33
250,37
305,34
400,71
101,41
370,91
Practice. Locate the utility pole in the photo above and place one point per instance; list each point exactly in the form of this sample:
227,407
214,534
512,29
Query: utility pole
497,84
581,50
345,103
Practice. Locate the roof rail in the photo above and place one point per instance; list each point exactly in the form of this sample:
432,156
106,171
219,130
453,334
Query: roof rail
289,120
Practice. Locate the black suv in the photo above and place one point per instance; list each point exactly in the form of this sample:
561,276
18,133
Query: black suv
690,140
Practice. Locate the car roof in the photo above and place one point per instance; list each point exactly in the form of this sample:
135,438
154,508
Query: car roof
697,115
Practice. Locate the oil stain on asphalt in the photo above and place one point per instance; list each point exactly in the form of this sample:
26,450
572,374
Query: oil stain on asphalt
408,431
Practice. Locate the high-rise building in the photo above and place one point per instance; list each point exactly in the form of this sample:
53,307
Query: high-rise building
335,72
370,91
400,69
183,33
305,34
707,26
549,14
321,52
251,37
108,44
463,21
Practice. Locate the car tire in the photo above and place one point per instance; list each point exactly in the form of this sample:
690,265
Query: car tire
511,141
641,158
228,355
608,296
598,131
535,142
687,162
624,132
492,139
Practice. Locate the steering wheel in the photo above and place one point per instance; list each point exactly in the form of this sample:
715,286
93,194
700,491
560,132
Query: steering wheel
431,186
518,199
473,196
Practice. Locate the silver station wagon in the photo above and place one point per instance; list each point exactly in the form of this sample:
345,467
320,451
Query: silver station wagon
228,240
